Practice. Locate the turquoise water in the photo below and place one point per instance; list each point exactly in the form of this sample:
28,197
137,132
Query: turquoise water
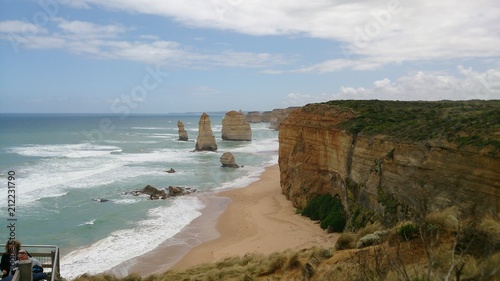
63,162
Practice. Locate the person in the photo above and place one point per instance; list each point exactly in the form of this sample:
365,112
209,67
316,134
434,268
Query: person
37,269
11,248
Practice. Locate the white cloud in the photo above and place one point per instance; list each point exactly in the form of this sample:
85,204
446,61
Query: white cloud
420,86
373,33
341,64
108,42
20,27
85,30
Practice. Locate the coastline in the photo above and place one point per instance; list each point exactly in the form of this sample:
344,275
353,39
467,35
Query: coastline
257,218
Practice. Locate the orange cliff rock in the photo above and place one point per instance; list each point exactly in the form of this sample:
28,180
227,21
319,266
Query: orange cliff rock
183,135
235,127
205,140
379,173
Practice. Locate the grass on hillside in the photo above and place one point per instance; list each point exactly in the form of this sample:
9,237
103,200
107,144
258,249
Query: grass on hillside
441,247
473,122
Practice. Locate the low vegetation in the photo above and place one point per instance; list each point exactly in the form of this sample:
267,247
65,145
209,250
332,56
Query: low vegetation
328,210
442,246
465,123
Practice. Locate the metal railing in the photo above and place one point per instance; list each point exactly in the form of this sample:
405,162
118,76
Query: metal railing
48,256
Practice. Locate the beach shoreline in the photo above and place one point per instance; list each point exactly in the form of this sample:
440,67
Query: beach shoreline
257,218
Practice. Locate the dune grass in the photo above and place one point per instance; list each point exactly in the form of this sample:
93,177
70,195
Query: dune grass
455,255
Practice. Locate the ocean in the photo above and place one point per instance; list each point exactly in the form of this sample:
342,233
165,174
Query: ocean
65,163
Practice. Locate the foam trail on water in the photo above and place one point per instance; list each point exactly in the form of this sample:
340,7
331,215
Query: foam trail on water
90,222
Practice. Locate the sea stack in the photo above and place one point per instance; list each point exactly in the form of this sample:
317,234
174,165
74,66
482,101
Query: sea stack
183,135
227,160
235,127
206,139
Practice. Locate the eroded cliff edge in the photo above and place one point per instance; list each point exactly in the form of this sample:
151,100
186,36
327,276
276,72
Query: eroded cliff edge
393,158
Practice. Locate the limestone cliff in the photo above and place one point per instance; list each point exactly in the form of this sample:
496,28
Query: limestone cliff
266,116
278,115
393,157
235,127
254,117
205,139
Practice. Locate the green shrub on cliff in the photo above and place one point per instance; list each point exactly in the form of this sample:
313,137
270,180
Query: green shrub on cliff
466,123
328,210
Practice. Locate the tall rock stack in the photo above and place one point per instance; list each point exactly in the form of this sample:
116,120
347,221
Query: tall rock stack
235,127
183,135
206,139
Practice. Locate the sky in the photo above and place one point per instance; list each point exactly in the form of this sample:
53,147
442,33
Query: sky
172,56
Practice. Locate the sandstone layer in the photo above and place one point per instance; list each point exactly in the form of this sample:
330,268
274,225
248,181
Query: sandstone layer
235,127
394,178
205,140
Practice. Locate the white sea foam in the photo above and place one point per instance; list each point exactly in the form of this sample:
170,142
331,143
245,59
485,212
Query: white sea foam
149,128
126,201
265,145
90,222
54,176
64,150
163,223
243,181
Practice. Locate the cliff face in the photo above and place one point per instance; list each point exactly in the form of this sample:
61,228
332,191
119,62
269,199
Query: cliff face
254,117
391,177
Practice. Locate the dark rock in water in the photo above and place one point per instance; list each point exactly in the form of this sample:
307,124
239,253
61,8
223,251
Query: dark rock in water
178,190
155,193
174,190
171,171
100,200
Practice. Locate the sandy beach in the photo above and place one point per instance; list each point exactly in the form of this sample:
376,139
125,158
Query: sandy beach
257,218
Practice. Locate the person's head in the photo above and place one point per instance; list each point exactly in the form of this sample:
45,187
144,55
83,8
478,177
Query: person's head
22,255
12,246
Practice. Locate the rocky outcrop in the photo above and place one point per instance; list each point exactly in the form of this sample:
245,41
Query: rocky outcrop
227,160
155,193
274,117
183,135
235,127
266,116
278,115
392,176
205,140
254,117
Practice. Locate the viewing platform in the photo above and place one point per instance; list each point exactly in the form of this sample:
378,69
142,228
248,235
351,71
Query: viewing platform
47,255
